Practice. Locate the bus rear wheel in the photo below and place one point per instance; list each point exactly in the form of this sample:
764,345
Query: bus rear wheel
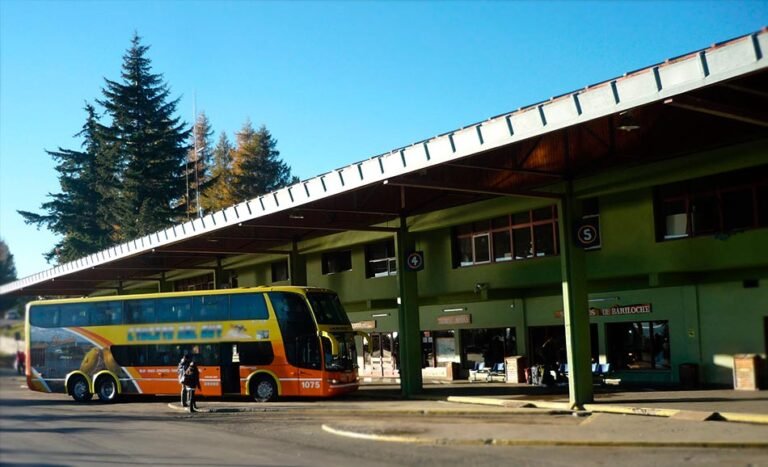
78,389
264,389
106,388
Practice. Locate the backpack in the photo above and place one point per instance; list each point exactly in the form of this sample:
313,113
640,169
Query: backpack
190,377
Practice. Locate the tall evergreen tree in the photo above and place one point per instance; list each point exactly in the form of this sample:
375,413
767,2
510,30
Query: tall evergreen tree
150,144
7,274
219,194
74,213
256,164
199,161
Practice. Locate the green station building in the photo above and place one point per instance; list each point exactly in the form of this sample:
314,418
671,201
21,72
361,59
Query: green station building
620,228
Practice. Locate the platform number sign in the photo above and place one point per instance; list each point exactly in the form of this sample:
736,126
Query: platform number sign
415,261
588,233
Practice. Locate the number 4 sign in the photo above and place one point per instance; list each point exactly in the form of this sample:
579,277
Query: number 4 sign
415,261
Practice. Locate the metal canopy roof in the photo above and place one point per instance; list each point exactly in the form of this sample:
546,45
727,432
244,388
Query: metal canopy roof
710,98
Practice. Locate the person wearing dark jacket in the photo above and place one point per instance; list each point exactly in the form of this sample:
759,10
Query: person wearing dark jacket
192,382
180,370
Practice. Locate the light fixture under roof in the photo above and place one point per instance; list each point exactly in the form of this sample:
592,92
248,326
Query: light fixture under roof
627,122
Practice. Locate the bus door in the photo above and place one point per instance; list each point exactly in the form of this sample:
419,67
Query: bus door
230,368
207,356
310,374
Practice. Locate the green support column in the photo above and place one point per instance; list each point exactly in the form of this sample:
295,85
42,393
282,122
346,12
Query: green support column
575,305
297,265
220,278
408,317
164,285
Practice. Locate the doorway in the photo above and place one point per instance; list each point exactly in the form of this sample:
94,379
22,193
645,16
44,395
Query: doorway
539,335
382,360
230,368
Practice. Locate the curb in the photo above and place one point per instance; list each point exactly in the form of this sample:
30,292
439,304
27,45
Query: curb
696,415
523,410
516,406
179,408
395,438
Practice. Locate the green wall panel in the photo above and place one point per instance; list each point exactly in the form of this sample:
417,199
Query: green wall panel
732,320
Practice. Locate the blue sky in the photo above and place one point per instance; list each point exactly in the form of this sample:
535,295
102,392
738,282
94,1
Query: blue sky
335,82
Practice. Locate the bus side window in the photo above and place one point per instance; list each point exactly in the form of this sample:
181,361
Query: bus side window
75,314
210,308
103,313
45,316
174,310
255,353
140,311
247,306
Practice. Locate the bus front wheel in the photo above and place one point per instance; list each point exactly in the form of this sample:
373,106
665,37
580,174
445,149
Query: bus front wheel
78,389
264,389
106,388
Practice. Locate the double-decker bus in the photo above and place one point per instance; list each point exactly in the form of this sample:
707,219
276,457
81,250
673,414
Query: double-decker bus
263,342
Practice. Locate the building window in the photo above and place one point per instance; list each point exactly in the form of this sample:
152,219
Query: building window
523,235
438,348
280,271
714,205
204,282
638,345
337,261
380,259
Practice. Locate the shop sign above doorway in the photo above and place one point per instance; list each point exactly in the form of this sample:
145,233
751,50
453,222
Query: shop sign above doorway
455,319
615,310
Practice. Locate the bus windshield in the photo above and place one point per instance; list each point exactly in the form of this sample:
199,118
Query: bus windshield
327,308
347,356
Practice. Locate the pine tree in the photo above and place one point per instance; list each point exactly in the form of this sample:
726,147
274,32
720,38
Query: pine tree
7,274
73,213
276,173
199,162
219,194
150,144
256,164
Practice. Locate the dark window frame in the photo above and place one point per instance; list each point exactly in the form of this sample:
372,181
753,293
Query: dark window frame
335,262
705,201
373,254
529,224
280,271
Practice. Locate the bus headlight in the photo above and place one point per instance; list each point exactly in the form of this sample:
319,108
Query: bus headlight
334,381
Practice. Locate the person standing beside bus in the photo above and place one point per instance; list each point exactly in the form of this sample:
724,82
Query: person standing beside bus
181,370
192,382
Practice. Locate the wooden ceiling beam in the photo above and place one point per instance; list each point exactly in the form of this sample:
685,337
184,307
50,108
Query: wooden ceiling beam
717,109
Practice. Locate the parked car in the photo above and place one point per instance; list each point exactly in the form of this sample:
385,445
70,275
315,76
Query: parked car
12,314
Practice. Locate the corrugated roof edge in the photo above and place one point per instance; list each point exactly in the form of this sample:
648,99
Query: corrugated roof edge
686,72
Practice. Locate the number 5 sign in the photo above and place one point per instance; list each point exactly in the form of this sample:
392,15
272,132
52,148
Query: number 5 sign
588,233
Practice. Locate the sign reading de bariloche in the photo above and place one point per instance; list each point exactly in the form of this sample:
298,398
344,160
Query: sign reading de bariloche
615,310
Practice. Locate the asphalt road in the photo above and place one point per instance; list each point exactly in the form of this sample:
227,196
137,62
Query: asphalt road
52,430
